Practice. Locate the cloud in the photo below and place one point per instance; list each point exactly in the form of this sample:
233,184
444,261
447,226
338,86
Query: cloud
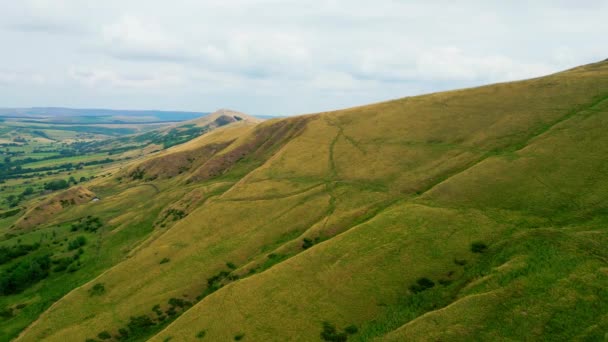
41,17
132,38
283,56
103,77
22,78
257,55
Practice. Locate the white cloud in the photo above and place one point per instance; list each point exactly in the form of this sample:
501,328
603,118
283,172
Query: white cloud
283,57
13,77
133,38
453,64
103,77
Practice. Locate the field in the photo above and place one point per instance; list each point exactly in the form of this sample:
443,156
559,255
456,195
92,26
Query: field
476,214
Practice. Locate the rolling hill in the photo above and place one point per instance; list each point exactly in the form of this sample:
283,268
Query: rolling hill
474,214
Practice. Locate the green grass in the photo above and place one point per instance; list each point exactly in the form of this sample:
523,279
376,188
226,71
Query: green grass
495,195
73,160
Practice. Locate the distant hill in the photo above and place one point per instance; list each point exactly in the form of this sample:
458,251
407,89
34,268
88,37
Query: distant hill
60,114
470,215
171,135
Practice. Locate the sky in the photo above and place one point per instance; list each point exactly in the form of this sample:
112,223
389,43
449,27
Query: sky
270,57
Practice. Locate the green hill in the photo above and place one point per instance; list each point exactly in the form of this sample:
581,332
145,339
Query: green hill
476,214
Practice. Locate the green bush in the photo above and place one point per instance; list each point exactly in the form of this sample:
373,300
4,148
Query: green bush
422,284
164,261
56,184
62,264
6,313
24,274
139,324
88,224
156,309
460,262
97,290
77,243
239,336
9,253
201,334
330,333
73,267
179,303
307,243
137,174
123,334
445,282
104,335
351,329
478,247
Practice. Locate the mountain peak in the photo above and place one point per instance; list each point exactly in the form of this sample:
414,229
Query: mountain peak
232,115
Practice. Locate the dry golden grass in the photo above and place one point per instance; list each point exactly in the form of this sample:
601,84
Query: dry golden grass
47,209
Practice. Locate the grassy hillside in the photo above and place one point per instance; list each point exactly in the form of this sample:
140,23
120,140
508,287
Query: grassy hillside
53,240
475,214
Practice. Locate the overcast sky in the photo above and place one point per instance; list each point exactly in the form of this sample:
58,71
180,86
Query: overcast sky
281,57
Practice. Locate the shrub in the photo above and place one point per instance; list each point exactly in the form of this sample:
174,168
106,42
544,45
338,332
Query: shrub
62,264
231,266
460,262
77,243
307,243
422,284
330,333
176,214
445,282
156,309
9,253
478,247
88,224
139,324
57,184
164,261
97,290
123,334
179,303
137,174
239,336
171,311
104,335
6,313
24,274
201,334
351,329
215,282
73,267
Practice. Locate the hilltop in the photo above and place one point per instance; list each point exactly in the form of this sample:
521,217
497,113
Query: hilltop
474,214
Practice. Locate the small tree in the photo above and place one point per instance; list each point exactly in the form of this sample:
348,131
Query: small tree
478,247
422,284
307,243
97,290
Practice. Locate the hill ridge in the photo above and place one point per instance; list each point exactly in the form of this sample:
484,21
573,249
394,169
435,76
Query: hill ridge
403,218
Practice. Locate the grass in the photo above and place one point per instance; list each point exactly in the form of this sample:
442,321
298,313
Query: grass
476,214
74,160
